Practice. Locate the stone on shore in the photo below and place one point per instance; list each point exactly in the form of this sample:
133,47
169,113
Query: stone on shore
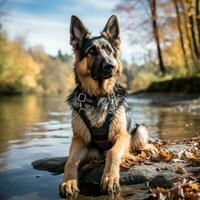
156,173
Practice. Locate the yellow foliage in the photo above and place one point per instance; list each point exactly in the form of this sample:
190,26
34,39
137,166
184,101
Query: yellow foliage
19,66
32,70
173,54
143,80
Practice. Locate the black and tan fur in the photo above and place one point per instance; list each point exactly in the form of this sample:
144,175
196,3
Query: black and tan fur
93,55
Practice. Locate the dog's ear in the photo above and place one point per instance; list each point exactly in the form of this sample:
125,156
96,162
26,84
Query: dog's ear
78,32
111,30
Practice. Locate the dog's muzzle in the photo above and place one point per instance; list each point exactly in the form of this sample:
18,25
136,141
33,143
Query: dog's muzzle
105,72
108,70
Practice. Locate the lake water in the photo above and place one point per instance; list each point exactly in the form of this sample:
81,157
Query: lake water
34,127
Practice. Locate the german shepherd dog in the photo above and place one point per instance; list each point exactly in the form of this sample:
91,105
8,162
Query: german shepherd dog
99,118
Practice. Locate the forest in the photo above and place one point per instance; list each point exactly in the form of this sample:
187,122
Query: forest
168,31
32,70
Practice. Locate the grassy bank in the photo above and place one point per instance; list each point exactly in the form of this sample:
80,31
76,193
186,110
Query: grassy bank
176,85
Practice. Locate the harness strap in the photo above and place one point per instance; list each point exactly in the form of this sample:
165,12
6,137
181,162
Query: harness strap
88,124
100,141
108,119
84,118
83,98
99,136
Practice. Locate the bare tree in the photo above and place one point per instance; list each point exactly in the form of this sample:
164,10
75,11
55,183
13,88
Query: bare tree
197,13
191,18
153,9
187,31
179,22
149,7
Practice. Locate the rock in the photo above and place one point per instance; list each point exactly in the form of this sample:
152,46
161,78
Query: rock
155,173
54,165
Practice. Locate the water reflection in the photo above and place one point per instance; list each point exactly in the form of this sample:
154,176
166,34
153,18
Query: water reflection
30,123
164,124
36,127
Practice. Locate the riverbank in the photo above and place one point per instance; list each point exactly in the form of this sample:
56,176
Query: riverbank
179,94
175,102
189,106
186,85
175,163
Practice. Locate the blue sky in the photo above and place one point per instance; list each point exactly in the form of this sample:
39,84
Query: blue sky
46,23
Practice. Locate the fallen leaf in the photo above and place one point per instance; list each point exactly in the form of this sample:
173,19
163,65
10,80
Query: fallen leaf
184,188
190,156
180,170
166,155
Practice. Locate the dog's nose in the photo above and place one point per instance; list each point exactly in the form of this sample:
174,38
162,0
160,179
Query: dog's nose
108,67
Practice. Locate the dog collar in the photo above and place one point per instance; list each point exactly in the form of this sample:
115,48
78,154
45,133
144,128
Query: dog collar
83,98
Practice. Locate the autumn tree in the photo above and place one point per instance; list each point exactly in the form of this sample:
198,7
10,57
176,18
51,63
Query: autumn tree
179,23
192,26
150,10
153,9
197,17
187,31
190,12
173,24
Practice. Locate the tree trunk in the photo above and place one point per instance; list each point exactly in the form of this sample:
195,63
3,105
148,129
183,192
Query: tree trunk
197,5
178,17
153,9
192,29
193,56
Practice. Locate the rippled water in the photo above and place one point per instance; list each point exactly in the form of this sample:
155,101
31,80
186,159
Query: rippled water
34,127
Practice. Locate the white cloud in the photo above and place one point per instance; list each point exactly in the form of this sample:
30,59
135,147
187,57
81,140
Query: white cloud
52,34
52,30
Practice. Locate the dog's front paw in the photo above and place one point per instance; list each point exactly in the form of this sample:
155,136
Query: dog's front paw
150,148
110,183
129,160
69,188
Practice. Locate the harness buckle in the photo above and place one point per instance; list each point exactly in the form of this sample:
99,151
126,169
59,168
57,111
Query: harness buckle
111,109
81,97
111,97
81,110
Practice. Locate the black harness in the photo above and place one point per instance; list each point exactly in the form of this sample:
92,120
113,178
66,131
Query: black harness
78,100
99,136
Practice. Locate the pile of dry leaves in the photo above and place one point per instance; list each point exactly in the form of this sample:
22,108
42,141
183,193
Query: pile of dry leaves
191,154
184,187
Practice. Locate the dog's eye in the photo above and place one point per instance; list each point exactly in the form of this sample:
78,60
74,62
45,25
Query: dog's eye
93,51
109,51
